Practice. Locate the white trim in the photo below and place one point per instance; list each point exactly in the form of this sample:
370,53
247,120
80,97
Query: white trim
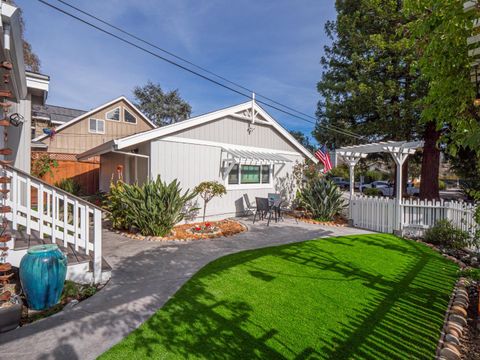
202,119
96,126
260,185
91,112
128,122
109,111
223,145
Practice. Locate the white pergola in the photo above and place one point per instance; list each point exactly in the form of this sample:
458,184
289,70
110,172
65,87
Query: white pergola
398,149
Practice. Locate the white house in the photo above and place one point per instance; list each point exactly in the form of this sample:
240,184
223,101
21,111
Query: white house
242,147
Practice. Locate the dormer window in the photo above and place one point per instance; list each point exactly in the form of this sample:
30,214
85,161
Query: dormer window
113,115
129,117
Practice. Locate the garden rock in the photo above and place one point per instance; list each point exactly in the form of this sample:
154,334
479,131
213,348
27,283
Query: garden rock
449,338
450,354
458,319
454,328
458,310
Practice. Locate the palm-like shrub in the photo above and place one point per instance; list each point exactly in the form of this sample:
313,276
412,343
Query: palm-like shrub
322,198
153,208
69,185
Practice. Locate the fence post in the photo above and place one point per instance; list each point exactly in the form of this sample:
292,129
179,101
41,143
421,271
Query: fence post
97,245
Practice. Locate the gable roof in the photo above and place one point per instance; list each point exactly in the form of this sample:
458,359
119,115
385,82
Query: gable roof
148,135
93,111
55,114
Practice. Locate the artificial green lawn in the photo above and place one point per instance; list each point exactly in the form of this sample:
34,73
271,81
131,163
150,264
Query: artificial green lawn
357,297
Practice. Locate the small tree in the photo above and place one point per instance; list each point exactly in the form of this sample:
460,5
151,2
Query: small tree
207,191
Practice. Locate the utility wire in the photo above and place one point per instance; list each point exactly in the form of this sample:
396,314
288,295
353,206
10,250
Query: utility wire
197,66
192,71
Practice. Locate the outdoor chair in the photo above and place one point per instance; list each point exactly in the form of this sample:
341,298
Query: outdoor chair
248,206
263,209
272,197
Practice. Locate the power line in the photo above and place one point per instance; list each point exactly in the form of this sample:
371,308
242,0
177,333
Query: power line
343,132
197,66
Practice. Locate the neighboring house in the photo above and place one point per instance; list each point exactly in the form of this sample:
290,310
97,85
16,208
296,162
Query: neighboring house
35,212
71,136
251,155
50,116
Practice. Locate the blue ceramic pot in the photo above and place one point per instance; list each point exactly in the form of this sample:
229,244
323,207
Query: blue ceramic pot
42,275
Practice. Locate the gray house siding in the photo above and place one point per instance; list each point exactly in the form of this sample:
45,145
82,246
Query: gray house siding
192,164
234,131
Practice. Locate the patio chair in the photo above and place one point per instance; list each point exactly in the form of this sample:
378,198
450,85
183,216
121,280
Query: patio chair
272,197
263,209
248,206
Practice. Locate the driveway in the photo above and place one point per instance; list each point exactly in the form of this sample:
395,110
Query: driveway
145,275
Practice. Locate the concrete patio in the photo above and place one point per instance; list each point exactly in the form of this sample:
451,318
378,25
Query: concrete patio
145,275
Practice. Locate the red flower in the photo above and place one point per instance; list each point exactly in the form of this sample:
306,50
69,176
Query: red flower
198,228
207,224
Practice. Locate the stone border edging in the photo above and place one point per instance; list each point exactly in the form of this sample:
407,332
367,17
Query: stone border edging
454,324
455,321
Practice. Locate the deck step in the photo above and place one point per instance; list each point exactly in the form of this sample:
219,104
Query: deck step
5,180
5,209
5,93
6,151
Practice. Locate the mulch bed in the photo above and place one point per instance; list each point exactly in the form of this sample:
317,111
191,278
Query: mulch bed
338,222
183,232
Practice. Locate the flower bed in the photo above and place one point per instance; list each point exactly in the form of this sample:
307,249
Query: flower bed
195,231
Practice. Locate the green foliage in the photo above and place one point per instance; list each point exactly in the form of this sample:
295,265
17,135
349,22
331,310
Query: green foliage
372,192
207,191
70,289
43,165
322,198
470,273
444,233
153,208
441,185
339,171
163,108
302,139
69,185
368,85
73,290
439,34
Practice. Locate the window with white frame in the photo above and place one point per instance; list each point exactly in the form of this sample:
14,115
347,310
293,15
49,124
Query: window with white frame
249,174
113,115
129,117
96,126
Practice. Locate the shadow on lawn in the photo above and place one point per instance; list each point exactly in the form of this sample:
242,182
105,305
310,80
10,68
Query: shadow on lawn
141,284
402,320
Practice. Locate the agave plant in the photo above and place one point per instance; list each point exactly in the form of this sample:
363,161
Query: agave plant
153,208
322,198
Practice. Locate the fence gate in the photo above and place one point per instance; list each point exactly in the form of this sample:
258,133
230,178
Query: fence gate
373,213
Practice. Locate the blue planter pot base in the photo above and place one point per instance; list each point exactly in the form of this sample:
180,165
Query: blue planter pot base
42,275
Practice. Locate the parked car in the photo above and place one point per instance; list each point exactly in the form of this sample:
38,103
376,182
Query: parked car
387,188
376,185
341,182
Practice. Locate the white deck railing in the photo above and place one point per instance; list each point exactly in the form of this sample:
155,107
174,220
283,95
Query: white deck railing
56,214
380,214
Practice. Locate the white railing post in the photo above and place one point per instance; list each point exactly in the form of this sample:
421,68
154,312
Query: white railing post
97,245
40,211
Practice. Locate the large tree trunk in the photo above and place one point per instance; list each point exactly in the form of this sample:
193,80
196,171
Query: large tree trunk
430,164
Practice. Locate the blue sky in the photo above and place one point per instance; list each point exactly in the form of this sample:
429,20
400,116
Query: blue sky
272,46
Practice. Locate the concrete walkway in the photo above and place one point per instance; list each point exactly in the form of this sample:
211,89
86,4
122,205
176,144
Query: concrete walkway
145,275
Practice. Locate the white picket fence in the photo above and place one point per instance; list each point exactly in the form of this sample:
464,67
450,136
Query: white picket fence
384,215
55,214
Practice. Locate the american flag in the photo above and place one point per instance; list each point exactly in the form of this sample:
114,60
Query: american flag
323,155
